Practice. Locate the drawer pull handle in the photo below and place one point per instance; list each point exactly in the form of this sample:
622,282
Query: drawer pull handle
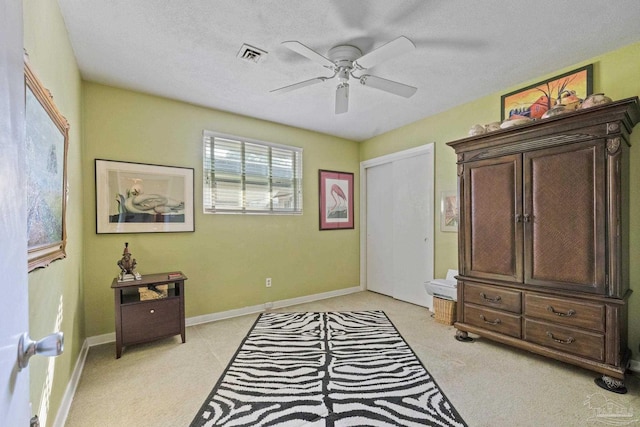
567,341
495,322
152,311
569,313
486,298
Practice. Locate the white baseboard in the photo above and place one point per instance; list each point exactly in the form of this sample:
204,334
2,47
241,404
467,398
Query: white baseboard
63,411
67,398
212,317
316,297
101,339
269,305
70,391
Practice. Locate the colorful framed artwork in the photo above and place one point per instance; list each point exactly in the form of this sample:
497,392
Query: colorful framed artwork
336,200
449,211
47,139
533,101
143,198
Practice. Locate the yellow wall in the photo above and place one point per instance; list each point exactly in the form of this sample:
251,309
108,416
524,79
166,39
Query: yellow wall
228,257
52,59
615,73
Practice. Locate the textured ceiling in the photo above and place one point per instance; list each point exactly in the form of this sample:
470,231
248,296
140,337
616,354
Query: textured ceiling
186,50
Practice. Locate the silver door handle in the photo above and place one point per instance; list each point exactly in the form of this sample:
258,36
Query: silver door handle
49,346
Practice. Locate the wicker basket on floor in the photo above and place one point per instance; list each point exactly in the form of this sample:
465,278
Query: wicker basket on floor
445,310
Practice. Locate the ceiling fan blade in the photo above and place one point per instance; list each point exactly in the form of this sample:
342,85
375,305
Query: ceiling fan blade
299,85
388,86
394,48
342,98
309,53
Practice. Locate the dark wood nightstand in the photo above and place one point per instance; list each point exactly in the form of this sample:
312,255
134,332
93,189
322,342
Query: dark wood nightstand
139,321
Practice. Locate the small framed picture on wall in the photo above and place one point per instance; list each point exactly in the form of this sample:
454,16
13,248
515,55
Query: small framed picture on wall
336,200
449,211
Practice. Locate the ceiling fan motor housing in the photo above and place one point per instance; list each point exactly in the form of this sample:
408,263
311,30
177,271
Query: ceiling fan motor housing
344,55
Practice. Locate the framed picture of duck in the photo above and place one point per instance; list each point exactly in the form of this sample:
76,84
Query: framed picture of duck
568,89
336,200
143,198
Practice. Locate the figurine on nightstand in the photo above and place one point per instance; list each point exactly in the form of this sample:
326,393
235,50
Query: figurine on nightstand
127,267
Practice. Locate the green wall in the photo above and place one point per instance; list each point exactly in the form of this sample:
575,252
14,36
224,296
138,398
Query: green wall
228,257
60,284
615,73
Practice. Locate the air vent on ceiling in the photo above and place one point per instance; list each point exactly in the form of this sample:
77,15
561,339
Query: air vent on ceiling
251,54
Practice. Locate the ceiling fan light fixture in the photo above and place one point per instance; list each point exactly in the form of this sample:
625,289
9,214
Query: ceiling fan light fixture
342,98
343,74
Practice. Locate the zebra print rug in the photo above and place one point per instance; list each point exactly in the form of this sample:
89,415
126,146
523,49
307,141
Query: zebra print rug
326,369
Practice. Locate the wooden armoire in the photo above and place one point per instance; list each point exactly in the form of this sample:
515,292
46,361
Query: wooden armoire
544,237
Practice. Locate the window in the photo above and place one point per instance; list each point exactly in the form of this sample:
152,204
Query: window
249,176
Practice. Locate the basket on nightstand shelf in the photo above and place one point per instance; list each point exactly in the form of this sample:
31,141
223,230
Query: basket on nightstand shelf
445,310
153,292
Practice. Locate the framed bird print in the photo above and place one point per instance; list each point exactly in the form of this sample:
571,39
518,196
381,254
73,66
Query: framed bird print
336,200
143,198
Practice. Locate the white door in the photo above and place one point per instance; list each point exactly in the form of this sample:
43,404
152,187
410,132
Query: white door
14,320
379,232
412,229
398,223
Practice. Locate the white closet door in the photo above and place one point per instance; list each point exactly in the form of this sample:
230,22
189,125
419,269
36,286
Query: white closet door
379,229
412,229
399,224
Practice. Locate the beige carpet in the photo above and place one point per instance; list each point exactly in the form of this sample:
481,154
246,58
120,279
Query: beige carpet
164,383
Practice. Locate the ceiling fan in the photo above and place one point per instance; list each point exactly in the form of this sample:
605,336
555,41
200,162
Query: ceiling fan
345,60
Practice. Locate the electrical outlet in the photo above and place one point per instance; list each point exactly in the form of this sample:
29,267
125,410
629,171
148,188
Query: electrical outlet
268,282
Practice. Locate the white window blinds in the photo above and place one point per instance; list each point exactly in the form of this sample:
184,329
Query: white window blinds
249,176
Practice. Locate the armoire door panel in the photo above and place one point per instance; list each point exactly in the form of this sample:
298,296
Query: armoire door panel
492,195
564,218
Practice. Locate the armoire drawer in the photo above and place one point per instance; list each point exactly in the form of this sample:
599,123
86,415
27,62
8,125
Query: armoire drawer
569,312
150,320
493,296
493,320
569,340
